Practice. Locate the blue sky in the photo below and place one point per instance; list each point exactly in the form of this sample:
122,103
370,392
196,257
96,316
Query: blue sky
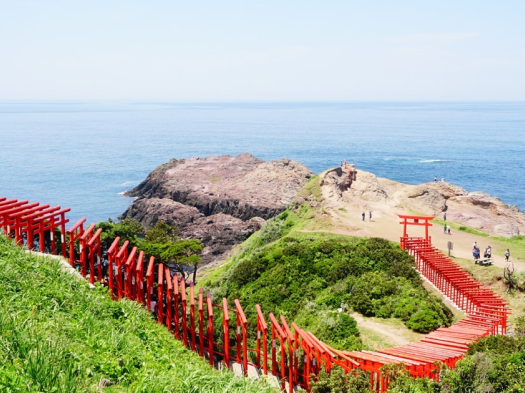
262,50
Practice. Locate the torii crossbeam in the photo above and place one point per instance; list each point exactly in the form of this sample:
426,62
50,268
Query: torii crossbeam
416,220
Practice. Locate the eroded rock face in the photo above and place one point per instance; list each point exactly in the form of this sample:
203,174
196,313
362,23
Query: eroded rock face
221,200
474,209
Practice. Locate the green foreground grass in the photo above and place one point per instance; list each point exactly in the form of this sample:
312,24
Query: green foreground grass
57,335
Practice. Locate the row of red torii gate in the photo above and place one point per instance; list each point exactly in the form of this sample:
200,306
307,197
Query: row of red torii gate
221,333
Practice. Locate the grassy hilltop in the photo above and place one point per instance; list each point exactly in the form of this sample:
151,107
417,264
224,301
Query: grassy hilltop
57,335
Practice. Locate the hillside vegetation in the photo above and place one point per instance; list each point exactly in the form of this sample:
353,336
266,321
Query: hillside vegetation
57,335
317,279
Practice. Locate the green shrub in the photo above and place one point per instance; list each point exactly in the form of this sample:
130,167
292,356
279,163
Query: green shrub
424,321
357,381
371,276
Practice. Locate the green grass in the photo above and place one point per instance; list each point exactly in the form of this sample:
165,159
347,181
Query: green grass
216,178
516,244
57,335
312,189
460,227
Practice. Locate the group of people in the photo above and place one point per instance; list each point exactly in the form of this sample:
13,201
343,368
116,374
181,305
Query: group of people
477,252
487,253
369,215
446,229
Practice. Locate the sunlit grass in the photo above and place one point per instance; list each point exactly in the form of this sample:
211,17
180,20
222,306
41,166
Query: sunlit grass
57,335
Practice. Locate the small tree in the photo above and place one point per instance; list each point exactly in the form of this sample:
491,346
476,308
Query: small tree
127,229
508,274
163,243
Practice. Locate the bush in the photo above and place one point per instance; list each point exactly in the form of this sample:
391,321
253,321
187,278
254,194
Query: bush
357,381
370,276
423,321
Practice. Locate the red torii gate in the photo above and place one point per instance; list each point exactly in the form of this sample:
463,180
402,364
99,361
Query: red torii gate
416,220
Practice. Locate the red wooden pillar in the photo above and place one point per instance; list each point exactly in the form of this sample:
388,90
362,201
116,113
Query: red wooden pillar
98,248
83,249
176,298
93,247
226,330
241,335
139,279
292,367
262,330
112,253
74,233
129,269
63,222
192,317
201,323
184,316
121,257
210,328
160,293
149,282
169,294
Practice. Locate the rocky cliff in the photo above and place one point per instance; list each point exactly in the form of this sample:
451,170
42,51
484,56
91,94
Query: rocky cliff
474,209
221,200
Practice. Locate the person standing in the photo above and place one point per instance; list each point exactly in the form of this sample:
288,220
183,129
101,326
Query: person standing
488,252
507,255
363,215
445,216
370,215
448,230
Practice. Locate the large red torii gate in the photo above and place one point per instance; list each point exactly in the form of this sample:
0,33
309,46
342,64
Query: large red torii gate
416,220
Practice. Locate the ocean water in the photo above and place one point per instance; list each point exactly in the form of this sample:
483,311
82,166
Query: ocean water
84,154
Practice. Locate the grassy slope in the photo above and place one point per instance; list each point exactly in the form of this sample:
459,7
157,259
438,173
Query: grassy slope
306,219
58,335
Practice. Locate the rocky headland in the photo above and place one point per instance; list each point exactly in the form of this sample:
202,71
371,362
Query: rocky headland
473,209
221,200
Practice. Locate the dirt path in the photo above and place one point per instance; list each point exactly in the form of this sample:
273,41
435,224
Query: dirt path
380,333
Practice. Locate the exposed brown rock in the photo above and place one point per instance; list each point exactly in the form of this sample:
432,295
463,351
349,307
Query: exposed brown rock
474,209
221,200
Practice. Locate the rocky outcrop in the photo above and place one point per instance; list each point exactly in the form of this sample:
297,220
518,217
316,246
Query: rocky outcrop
474,209
221,200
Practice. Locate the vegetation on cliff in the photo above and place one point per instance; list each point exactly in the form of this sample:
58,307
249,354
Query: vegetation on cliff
56,334
315,279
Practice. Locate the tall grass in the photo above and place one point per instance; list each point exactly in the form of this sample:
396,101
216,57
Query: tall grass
57,335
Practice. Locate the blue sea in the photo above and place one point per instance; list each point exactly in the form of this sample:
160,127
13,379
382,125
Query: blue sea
85,154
